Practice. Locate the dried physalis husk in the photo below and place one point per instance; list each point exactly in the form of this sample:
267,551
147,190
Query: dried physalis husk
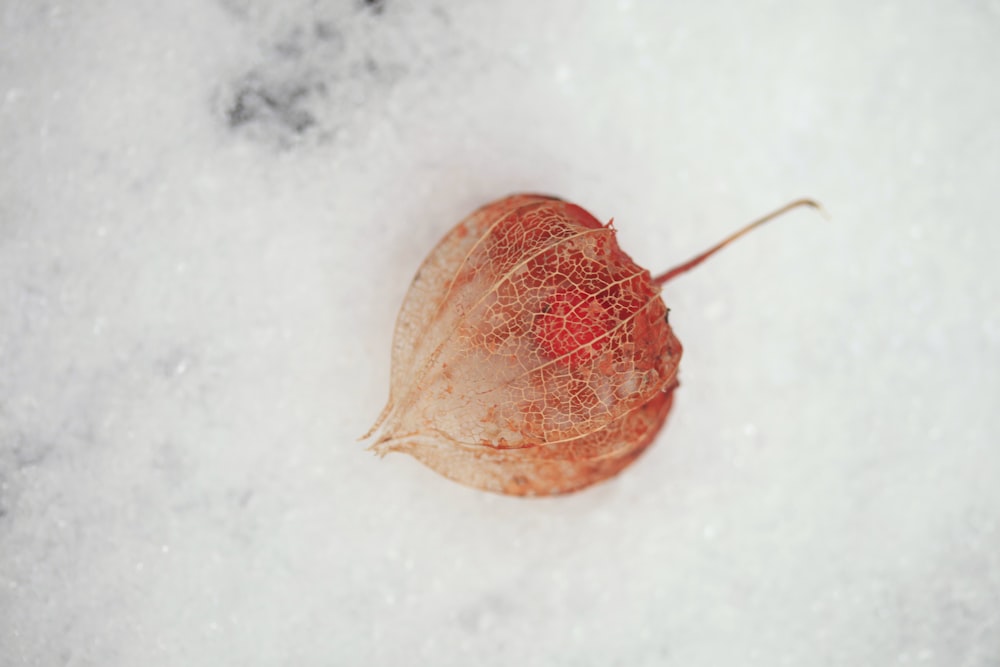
531,355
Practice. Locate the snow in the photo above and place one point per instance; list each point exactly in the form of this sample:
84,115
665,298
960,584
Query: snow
210,213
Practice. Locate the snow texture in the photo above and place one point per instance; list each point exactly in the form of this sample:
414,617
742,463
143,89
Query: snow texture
210,213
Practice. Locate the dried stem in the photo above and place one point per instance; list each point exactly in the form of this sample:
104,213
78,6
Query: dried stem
695,261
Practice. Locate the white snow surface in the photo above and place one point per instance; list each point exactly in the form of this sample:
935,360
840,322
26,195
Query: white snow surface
210,213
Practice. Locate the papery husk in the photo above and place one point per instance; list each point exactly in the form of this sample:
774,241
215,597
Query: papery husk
478,393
